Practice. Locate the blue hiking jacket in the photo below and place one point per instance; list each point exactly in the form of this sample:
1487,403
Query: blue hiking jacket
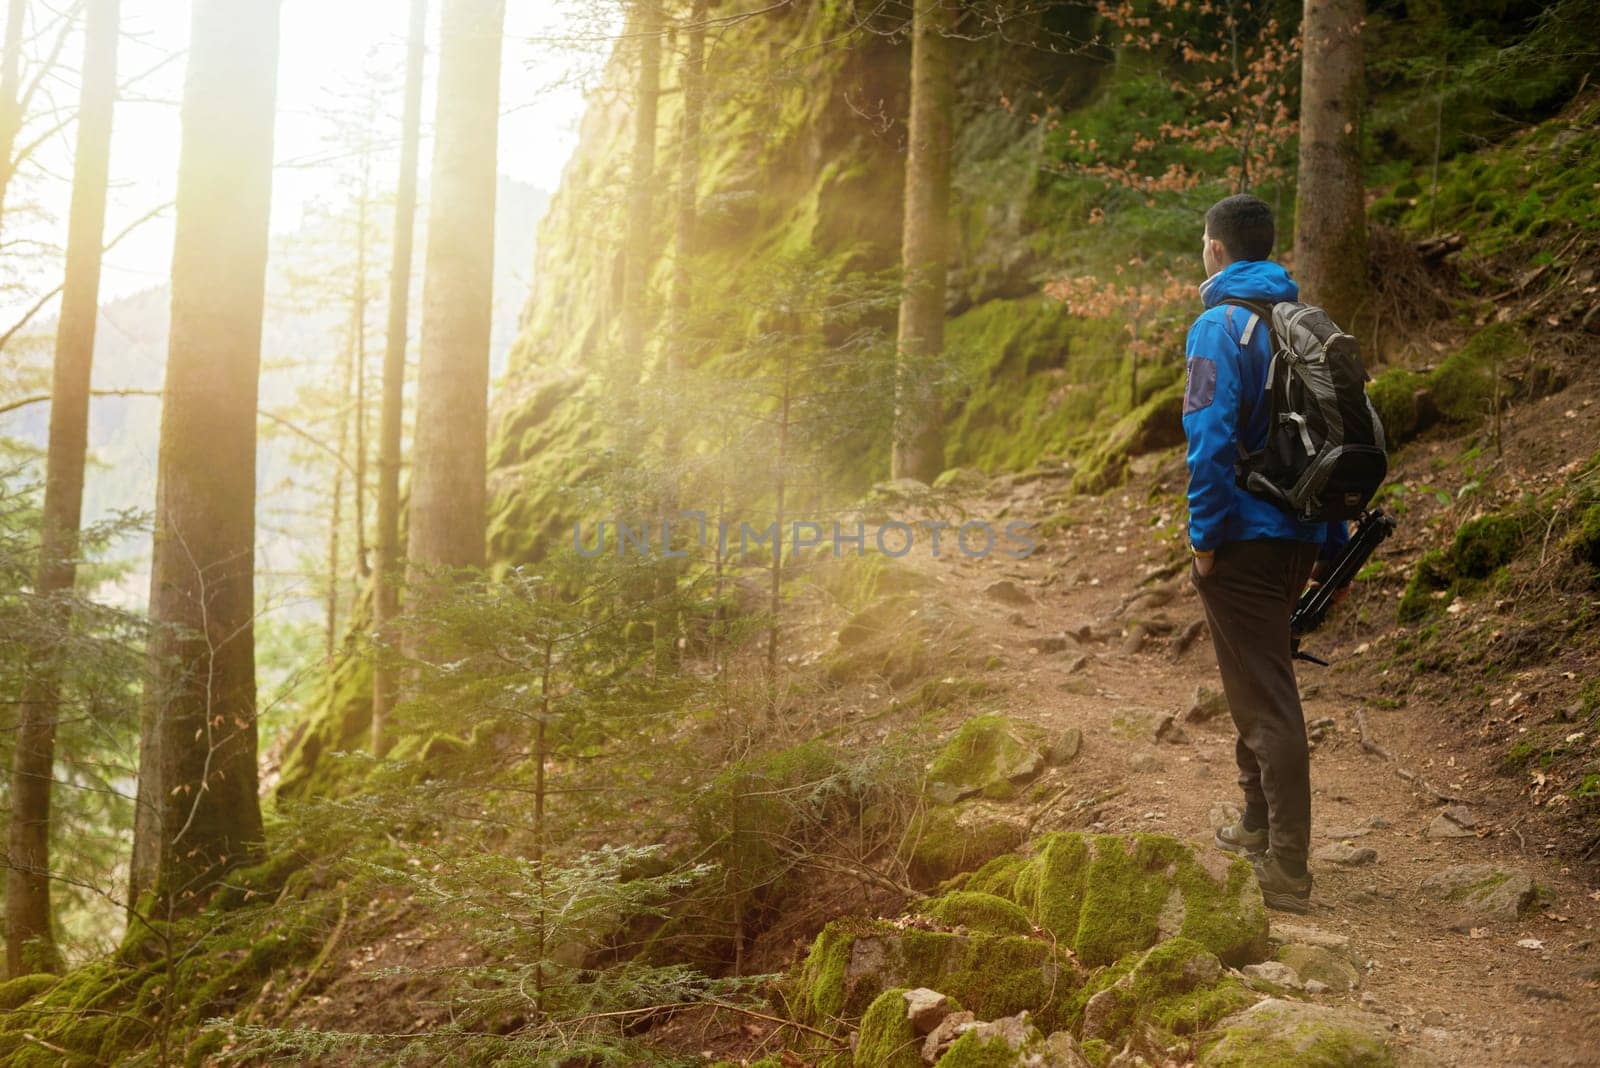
1227,383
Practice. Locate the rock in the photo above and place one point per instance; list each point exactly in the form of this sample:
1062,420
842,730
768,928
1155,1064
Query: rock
1065,747
1206,705
977,911
988,755
1047,644
925,1009
1223,813
1317,986
1078,663
1017,619
940,1038
1319,729
1148,724
1484,890
1454,822
853,961
945,841
1316,963
1290,933
1082,633
1156,986
1346,856
1145,762
1008,592
1061,1050
1275,972
1276,1031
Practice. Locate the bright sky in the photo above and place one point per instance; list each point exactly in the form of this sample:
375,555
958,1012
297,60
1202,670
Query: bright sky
326,47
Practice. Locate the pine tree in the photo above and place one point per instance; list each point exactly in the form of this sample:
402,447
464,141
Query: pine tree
29,943
198,811
387,573
1330,233
446,528
919,438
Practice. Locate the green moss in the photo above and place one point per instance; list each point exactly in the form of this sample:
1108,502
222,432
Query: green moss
1303,1035
977,911
13,992
998,877
945,842
1484,544
992,975
886,1038
1434,572
1394,397
1106,896
1584,539
1157,423
971,1051
985,754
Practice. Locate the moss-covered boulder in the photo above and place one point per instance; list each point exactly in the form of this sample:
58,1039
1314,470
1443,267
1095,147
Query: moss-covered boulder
1155,424
947,840
899,638
853,961
1106,896
1459,390
1276,1032
977,911
988,755
1487,891
1177,986
886,1038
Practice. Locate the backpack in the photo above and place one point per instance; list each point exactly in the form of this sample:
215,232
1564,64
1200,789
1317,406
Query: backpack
1325,455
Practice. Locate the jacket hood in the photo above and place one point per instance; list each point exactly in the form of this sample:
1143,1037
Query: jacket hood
1249,280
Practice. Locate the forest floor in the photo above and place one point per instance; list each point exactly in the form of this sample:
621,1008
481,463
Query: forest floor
1464,991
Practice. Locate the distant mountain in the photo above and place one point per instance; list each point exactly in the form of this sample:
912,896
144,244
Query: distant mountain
131,352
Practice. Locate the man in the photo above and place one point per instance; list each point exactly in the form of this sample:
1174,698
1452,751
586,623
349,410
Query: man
1251,559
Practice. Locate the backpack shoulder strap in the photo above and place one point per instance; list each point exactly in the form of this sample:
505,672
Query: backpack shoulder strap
1260,315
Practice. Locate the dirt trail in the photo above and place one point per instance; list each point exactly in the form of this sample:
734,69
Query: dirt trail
1465,992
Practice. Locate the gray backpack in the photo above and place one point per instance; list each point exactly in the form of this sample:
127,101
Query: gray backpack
1325,455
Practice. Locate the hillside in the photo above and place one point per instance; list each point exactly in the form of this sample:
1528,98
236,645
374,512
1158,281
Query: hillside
881,810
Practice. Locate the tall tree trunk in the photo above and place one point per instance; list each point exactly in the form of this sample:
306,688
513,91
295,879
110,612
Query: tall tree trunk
919,437
386,598
10,93
29,943
636,251
358,312
198,813
694,106
1330,234
446,528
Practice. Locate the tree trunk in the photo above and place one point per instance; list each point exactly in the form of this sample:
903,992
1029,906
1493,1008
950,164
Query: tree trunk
446,527
636,251
10,93
386,599
694,105
919,438
198,813
30,946
1330,236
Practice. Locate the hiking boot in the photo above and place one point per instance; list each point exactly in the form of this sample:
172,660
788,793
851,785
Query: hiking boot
1237,838
1279,889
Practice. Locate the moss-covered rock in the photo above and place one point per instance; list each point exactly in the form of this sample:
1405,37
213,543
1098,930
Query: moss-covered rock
1155,424
1487,543
1276,1032
1176,985
977,911
852,961
987,755
14,992
1106,896
945,841
886,1038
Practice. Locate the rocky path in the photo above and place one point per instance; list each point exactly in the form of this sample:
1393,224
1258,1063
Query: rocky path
1438,914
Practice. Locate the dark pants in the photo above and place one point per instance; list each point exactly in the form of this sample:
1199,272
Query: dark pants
1248,598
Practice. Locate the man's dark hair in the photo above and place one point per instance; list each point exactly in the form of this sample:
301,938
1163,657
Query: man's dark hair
1243,224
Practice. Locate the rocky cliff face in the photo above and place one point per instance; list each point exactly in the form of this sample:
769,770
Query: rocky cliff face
803,154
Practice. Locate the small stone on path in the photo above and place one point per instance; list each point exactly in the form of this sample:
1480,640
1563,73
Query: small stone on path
1346,856
1454,822
1007,592
1484,890
1275,972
